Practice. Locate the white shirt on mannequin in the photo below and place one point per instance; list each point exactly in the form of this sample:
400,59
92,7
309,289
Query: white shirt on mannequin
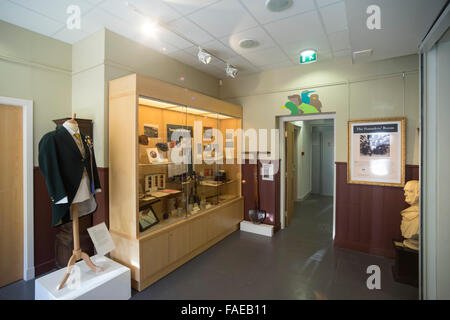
84,190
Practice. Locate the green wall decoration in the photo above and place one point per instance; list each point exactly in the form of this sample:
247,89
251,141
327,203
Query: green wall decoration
304,103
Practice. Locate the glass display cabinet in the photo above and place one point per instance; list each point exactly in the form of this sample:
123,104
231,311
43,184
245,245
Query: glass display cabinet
172,186
175,181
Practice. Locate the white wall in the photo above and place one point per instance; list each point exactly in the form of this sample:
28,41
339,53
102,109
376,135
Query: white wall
370,90
35,67
303,163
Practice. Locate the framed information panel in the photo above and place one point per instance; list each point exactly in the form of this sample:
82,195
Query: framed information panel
376,152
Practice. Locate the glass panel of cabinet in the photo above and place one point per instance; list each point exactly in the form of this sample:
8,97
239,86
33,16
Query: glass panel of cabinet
187,162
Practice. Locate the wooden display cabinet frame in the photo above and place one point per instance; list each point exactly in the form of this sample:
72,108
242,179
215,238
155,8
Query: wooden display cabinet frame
151,256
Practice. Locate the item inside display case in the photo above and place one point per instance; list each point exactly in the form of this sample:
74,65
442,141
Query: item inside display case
147,218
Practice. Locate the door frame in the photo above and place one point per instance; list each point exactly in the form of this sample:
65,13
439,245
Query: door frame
281,121
28,199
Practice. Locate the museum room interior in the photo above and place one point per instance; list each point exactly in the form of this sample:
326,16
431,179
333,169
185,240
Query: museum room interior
184,149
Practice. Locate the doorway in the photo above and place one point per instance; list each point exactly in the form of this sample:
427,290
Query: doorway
310,170
297,161
16,190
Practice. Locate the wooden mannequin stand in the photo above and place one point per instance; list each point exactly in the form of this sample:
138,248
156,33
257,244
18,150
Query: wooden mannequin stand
77,253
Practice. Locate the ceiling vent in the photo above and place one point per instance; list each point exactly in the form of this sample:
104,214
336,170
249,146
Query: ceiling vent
362,54
278,5
248,43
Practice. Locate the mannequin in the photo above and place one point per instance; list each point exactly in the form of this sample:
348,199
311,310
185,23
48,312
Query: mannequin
67,162
411,216
81,196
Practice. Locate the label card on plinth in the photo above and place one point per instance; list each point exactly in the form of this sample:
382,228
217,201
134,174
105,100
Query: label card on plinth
101,238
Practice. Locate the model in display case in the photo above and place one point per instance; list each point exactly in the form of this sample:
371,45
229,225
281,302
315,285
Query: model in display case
175,184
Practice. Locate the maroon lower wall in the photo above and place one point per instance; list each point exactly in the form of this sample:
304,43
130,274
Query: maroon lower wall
368,217
44,233
269,194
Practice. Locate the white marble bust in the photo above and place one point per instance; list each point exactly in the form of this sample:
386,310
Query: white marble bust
411,216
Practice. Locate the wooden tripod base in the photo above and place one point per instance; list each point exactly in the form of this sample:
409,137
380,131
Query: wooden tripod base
77,254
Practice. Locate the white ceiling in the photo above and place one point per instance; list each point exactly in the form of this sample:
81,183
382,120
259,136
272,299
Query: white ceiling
335,28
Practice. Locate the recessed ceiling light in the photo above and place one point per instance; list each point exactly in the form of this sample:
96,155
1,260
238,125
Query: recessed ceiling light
204,56
278,5
248,43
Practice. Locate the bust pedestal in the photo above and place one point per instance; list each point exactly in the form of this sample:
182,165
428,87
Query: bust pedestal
406,266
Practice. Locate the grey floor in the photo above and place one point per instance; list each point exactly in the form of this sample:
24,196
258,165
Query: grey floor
297,263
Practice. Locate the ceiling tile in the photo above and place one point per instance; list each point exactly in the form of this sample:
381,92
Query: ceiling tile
94,2
334,17
153,9
343,53
242,64
118,9
98,19
70,36
258,34
223,18
54,9
404,23
293,29
259,11
190,30
323,56
319,43
278,65
266,56
219,49
339,40
28,19
170,37
186,7
324,3
247,72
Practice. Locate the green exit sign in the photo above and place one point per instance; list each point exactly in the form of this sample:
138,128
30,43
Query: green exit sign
308,56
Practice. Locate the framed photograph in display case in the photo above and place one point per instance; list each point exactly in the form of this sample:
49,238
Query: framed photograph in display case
147,217
377,151
154,155
151,130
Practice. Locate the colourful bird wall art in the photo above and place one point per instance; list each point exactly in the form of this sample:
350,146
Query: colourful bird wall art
303,103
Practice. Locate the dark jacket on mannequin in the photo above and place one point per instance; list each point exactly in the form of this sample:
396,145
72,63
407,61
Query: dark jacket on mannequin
62,165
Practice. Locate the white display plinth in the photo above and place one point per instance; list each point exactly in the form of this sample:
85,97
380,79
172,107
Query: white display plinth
113,283
262,229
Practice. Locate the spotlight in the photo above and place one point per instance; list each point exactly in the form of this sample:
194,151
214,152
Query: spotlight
231,71
204,56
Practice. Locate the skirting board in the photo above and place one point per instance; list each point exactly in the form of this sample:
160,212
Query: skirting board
262,229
